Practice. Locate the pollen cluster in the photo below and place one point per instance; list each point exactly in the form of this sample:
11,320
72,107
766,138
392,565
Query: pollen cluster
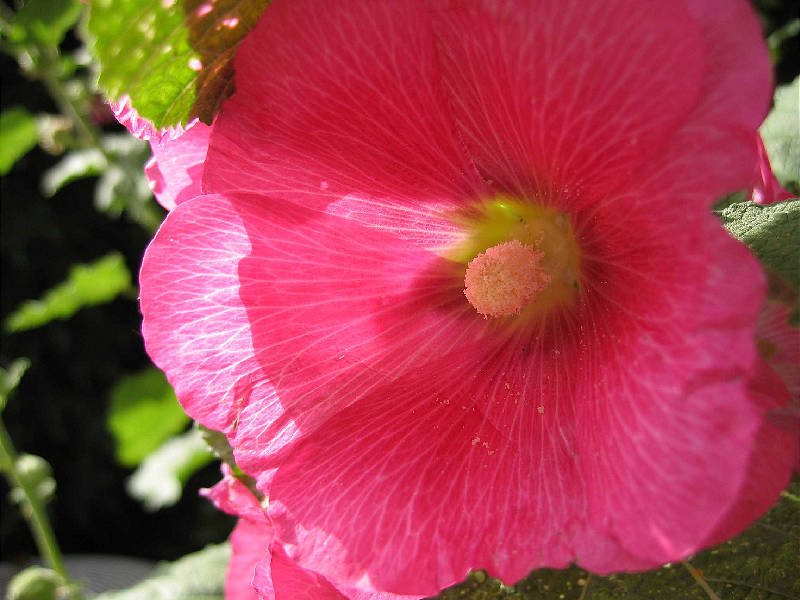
504,278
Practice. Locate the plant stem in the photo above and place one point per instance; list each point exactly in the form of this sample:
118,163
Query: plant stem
586,586
34,512
54,85
698,577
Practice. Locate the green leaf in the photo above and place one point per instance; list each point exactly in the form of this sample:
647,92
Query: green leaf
75,165
173,58
159,480
759,564
18,135
781,134
143,414
196,576
87,285
218,443
771,231
44,21
10,378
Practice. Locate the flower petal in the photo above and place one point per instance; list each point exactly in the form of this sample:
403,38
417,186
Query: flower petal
712,153
278,577
195,326
250,542
175,171
770,461
233,497
627,427
576,94
339,97
320,290
766,189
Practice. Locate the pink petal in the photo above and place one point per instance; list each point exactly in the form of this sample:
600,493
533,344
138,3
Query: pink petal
288,576
582,452
737,83
770,461
278,577
195,326
175,170
712,153
250,542
573,446
233,497
581,108
779,344
766,187
260,569
585,109
339,97
201,326
250,539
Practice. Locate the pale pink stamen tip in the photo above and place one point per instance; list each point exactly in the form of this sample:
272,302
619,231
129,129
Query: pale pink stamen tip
505,278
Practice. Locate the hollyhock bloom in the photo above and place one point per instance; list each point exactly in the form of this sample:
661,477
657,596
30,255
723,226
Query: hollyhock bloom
454,293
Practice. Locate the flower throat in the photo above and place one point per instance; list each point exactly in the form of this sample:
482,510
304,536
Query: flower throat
522,259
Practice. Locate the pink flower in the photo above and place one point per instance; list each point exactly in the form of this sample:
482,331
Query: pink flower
608,408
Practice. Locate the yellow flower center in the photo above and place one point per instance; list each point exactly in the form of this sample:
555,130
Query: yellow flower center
522,259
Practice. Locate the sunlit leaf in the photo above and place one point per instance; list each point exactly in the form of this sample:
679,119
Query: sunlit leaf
18,135
143,414
771,231
75,165
219,445
10,378
159,480
86,285
196,576
173,58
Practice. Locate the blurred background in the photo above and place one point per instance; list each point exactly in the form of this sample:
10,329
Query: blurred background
76,216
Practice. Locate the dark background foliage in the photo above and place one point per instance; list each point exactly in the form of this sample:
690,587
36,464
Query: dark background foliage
60,407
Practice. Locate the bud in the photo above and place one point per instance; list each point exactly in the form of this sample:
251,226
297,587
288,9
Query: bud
37,475
35,583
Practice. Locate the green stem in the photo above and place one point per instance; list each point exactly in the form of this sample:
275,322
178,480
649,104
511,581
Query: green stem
790,496
698,577
44,67
47,74
36,514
